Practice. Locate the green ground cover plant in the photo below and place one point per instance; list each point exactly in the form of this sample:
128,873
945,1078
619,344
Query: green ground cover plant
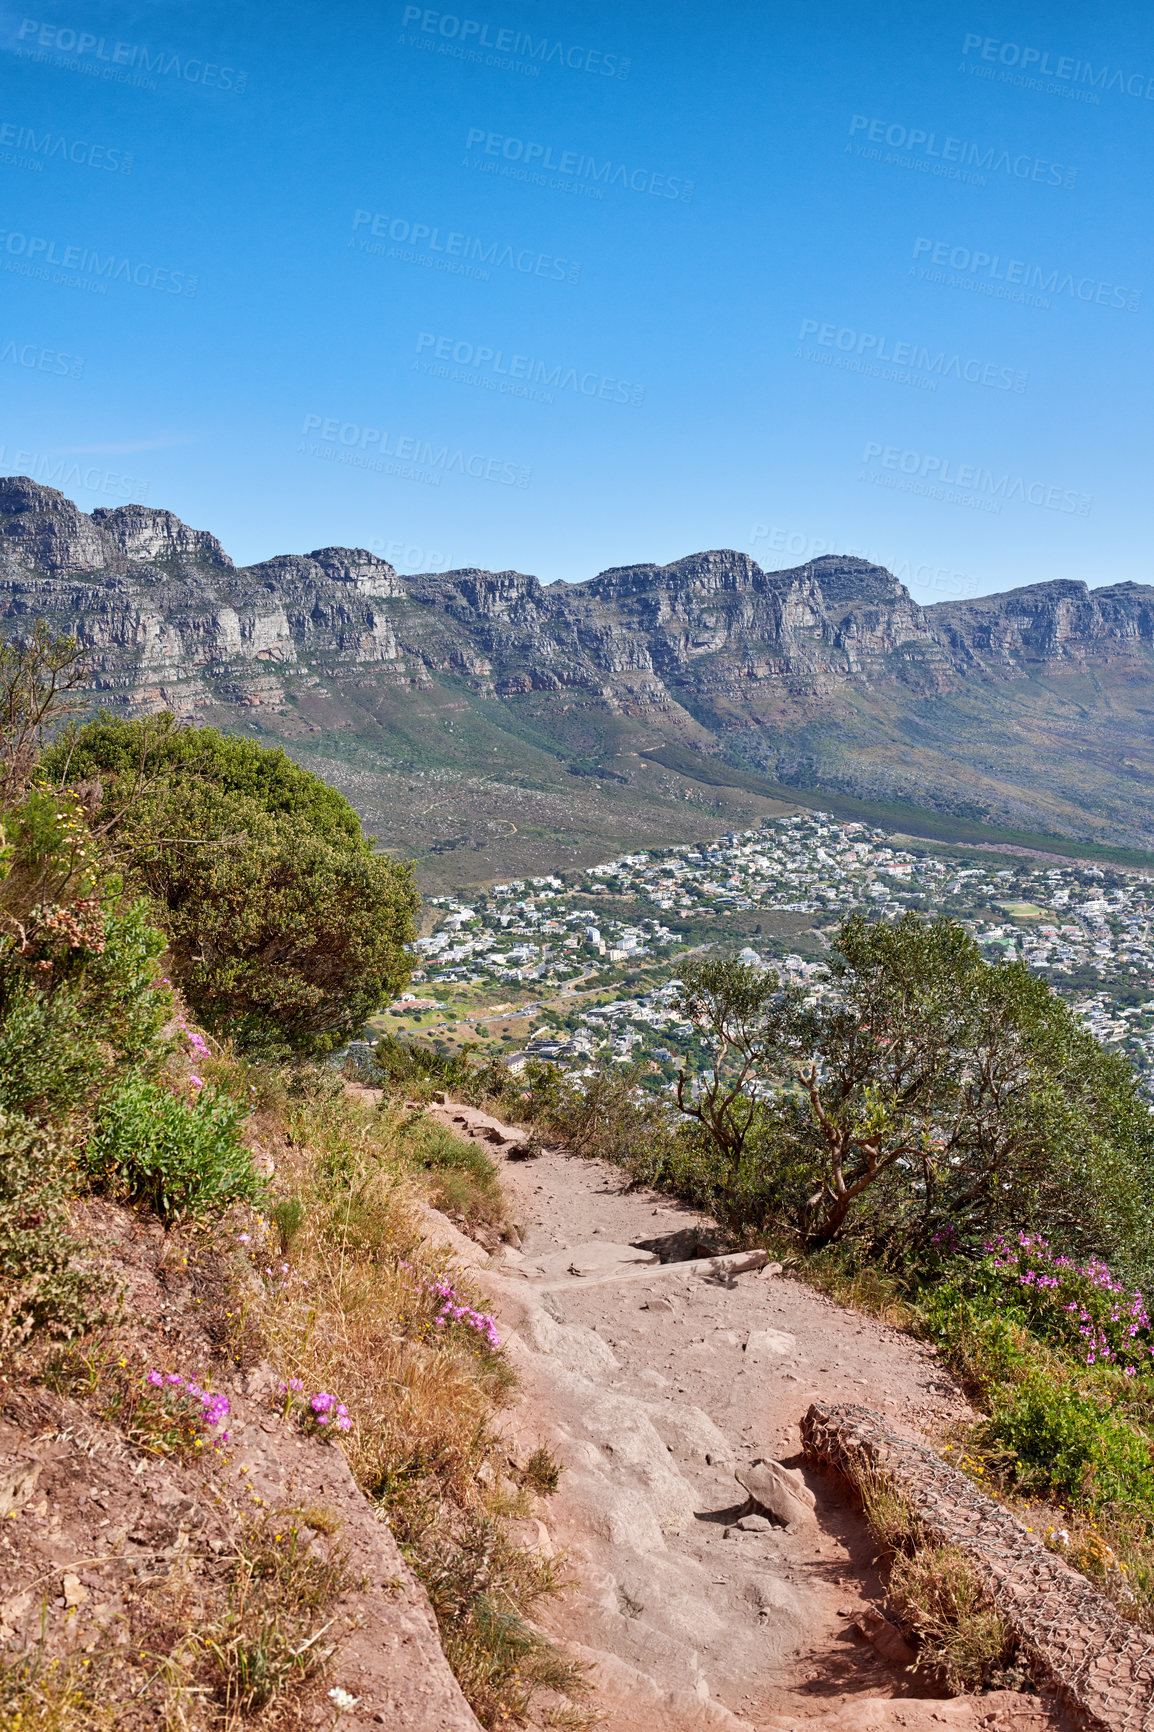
182,1158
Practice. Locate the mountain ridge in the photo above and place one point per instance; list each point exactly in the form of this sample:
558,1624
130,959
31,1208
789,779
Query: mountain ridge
1030,707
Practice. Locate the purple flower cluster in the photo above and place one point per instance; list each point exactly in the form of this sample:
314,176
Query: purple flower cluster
328,1410
1078,1300
321,1409
194,1038
214,1407
452,1311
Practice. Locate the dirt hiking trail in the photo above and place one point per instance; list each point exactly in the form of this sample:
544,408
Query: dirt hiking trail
654,1384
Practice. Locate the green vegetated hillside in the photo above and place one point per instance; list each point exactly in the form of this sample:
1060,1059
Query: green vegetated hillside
912,820
188,921
201,1228
475,791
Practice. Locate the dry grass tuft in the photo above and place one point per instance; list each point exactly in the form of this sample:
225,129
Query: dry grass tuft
890,1512
961,1634
859,1287
938,1596
270,1635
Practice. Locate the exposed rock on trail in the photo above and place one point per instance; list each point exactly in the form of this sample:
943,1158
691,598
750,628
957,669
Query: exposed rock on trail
720,1574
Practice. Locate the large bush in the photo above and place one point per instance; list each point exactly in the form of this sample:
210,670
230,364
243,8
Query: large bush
286,929
928,1100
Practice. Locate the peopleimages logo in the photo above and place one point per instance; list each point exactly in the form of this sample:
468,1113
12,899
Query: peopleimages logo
518,375
474,33
53,471
32,255
1065,67
968,483
931,153
805,548
403,556
469,249
117,60
990,268
540,158
53,146
37,359
876,349
367,447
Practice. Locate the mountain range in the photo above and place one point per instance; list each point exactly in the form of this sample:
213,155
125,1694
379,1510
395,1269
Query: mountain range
645,702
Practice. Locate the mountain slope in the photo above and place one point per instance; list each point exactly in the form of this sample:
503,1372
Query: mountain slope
507,706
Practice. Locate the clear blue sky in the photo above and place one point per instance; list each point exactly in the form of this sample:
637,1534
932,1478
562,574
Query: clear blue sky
797,278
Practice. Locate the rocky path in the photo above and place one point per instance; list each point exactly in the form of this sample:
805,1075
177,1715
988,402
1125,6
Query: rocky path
653,1386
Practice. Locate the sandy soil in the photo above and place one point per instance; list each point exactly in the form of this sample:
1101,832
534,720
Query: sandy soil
689,1619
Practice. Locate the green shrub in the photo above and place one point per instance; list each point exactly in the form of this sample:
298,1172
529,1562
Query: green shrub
405,1067
59,1031
115,750
44,1289
180,1159
1067,1443
48,1060
286,930
986,1343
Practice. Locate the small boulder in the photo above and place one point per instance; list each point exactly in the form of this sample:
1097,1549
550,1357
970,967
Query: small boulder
889,1641
17,1483
780,1491
770,1344
755,1524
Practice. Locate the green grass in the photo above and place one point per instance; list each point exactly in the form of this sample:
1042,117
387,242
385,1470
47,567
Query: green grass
465,1179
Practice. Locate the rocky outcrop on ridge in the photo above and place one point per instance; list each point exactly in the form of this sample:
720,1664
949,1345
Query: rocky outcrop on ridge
170,618
826,675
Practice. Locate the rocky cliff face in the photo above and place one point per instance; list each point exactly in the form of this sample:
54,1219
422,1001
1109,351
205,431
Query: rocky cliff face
167,616
170,618
828,673
1046,623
